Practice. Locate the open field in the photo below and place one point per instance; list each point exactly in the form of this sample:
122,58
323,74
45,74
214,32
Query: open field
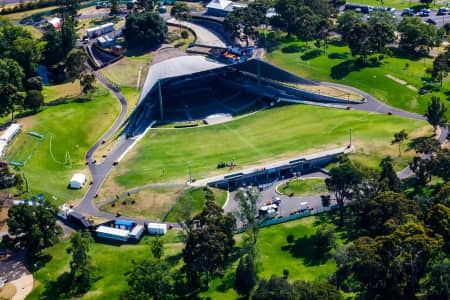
161,204
175,39
337,65
152,204
61,91
304,187
69,130
25,14
397,3
114,261
270,135
35,33
125,72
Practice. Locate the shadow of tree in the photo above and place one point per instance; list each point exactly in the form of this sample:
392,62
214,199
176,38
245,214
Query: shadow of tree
311,54
304,247
338,55
346,67
337,42
418,140
58,289
293,49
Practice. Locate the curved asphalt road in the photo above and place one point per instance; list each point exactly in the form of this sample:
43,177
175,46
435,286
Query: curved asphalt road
100,171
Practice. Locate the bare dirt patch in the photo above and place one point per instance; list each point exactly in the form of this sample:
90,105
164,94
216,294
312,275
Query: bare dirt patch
8,291
412,88
150,204
396,79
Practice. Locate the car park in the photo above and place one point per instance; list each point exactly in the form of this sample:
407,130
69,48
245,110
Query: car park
408,11
443,11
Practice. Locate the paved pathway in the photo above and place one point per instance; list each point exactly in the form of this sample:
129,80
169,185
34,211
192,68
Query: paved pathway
99,172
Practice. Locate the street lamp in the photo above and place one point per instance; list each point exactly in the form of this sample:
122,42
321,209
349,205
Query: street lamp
374,82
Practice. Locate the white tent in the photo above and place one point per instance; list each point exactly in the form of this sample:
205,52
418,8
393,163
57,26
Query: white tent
77,181
219,4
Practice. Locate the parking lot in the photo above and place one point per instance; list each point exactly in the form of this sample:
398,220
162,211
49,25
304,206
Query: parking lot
286,204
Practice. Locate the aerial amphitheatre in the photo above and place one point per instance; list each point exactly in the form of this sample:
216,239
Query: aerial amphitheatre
267,149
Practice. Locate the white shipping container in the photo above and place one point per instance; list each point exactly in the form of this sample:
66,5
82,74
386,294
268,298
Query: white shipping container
157,228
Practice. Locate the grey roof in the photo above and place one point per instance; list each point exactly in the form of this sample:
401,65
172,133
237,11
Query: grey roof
178,66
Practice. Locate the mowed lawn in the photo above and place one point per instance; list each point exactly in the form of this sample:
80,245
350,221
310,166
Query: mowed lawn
399,4
275,255
337,65
69,130
113,261
304,187
270,135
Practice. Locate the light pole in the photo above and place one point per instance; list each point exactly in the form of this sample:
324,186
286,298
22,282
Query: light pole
374,82
190,174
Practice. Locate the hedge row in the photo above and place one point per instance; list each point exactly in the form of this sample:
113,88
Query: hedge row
29,6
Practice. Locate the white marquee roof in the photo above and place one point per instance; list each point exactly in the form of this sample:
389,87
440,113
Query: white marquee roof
177,66
219,4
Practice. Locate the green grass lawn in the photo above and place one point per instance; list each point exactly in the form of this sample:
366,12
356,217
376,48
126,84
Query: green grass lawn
275,256
399,4
69,130
304,187
270,135
113,262
337,65
61,91
125,72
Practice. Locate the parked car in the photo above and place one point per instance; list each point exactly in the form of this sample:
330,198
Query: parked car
443,11
392,10
408,11
431,21
424,12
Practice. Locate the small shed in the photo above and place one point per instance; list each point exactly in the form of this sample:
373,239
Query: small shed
55,22
120,224
78,180
157,228
105,41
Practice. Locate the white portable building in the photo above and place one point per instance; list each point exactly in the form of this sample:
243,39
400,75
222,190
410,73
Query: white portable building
107,27
112,233
157,228
137,232
9,133
94,31
77,181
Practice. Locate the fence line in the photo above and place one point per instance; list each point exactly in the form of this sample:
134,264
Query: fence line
293,217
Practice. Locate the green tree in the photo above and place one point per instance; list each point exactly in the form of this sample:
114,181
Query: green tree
438,219
81,267
440,67
145,29
414,34
427,145
76,64
248,210
324,29
148,5
34,100
27,53
157,246
245,276
11,77
389,176
288,10
274,288
305,25
149,279
34,83
68,36
209,245
52,51
114,10
346,22
340,182
184,34
399,137
69,8
33,227
325,238
436,113
359,41
87,83
437,284
181,12
381,35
